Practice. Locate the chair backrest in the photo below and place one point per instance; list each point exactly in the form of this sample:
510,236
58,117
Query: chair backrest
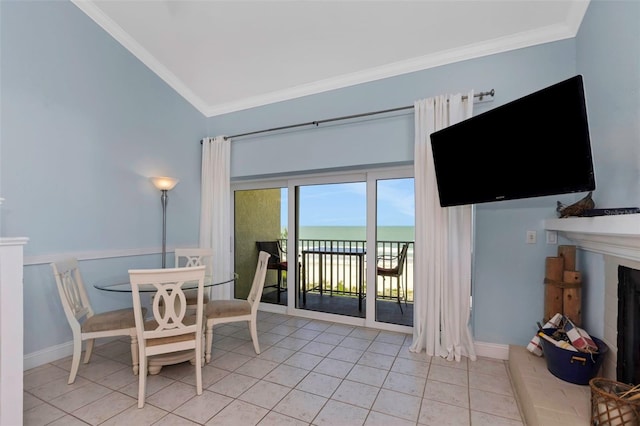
402,257
72,292
271,247
169,302
398,269
188,257
258,281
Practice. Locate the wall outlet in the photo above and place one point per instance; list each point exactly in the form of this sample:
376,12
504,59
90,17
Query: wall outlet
552,237
531,237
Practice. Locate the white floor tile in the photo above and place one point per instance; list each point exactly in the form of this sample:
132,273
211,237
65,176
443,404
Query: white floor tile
265,394
398,404
202,408
238,413
319,384
301,405
310,372
339,413
434,413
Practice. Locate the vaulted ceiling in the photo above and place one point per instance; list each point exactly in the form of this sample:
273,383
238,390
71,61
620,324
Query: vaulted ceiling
225,56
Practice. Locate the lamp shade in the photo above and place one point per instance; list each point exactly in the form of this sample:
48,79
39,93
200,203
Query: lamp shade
164,183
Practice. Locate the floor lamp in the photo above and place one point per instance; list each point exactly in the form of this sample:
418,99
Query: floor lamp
164,184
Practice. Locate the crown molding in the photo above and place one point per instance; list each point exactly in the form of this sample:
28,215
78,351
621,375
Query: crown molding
122,37
526,39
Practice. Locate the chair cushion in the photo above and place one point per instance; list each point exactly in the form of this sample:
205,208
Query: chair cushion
227,308
153,324
388,271
111,320
172,339
192,297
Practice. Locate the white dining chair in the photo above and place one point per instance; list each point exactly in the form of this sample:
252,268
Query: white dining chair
226,311
188,257
171,329
87,325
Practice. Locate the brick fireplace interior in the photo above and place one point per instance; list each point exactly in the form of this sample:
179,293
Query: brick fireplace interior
622,316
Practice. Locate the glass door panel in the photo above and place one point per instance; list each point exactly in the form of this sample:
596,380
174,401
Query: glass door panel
260,222
331,243
395,236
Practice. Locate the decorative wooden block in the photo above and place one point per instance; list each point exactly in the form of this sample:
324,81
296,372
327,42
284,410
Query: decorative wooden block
572,296
569,255
553,295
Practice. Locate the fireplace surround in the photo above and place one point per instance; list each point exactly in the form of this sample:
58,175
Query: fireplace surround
617,238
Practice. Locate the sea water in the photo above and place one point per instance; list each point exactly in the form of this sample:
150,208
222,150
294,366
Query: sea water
356,233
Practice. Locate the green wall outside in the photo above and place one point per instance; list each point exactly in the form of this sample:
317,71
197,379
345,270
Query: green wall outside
257,218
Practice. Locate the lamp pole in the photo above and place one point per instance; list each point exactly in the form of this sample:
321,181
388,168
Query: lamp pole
164,184
163,199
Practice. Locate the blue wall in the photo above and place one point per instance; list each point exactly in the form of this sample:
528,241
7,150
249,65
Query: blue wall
608,55
84,124
508,273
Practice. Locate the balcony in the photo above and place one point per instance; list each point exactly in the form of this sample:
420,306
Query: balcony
333,279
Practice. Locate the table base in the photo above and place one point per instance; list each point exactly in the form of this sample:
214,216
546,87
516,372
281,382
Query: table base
156,362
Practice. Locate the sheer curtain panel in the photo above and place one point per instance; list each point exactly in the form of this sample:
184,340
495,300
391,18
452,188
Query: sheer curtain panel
215,210
443,243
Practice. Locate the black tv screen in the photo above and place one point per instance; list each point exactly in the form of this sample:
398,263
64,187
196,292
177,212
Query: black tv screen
534,146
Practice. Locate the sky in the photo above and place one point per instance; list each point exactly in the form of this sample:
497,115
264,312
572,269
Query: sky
344,204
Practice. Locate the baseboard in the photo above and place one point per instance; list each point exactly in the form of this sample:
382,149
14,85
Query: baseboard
47,355
54,353
491,350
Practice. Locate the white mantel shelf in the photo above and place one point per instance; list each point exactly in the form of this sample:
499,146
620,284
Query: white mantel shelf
616,235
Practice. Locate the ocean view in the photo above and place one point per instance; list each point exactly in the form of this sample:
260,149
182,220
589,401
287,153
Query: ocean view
358,233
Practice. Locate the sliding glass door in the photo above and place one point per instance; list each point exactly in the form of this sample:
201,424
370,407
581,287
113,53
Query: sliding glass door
395,235
346,240
331,240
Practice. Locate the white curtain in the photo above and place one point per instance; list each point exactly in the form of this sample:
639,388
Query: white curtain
442,280
215,209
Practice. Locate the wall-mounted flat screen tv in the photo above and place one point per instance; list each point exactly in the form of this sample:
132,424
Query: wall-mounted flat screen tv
535,146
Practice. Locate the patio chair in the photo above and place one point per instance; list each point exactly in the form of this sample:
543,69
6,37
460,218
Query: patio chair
87,325
277,262
393,267
226,311
171,329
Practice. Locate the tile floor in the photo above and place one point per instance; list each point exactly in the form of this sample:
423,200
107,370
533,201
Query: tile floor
309,373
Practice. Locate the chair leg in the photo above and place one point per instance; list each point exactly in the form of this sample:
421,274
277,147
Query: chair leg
398,294
134,353
142,380
203,345
198,359
75,361
253,328
208,342
88,350
278,287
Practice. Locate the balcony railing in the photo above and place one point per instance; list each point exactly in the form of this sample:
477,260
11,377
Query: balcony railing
338,267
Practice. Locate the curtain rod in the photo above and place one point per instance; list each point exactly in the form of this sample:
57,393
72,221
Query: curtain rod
345,117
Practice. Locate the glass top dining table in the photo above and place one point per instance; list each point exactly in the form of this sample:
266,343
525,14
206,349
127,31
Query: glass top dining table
124,286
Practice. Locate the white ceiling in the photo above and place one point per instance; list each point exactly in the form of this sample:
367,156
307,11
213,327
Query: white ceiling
225,56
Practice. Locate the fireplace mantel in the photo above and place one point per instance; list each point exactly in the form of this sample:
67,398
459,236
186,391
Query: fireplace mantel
617,235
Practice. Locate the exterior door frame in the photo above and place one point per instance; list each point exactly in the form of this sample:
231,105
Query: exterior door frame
370,177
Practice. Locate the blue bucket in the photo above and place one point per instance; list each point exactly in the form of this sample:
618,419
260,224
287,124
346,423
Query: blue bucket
570,366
